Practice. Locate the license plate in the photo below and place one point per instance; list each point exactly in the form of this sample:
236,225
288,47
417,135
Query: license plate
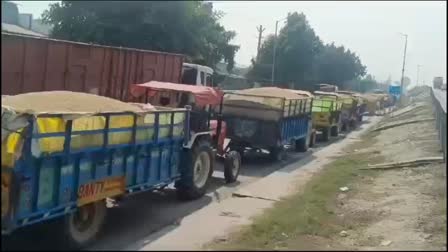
98,190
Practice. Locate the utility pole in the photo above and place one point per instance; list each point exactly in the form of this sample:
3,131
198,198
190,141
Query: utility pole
260,30
418,72
275,51
404,61
273,54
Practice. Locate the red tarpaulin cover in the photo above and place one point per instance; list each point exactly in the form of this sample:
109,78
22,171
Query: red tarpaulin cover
202,95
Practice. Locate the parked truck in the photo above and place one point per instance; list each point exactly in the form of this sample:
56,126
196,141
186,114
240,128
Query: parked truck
326,88
32,64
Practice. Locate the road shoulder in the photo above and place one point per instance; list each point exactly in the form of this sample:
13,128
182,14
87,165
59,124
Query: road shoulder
216,221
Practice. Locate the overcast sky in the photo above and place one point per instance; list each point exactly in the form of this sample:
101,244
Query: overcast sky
371,29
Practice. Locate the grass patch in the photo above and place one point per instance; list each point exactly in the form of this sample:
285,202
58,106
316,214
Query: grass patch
310,212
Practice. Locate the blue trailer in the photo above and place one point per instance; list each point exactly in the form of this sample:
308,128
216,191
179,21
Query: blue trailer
72,173
269,121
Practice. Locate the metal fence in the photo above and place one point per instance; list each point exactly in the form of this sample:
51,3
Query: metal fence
439,106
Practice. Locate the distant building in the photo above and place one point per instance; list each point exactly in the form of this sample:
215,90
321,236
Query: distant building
22,23
20,30
10,13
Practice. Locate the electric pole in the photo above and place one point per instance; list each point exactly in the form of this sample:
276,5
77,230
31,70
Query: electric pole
275,49
404,61
260,30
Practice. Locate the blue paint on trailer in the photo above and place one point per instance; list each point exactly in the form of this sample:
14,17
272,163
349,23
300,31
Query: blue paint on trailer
47,186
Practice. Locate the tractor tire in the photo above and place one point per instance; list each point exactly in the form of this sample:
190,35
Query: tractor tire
194,184
232,166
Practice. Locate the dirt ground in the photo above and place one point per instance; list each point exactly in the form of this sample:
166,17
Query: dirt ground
404,208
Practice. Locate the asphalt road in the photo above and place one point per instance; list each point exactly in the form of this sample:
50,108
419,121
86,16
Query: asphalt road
143,214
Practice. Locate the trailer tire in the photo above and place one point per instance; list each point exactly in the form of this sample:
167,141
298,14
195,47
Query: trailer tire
353,123
360,118
82,227
232,166
326,134
200,170
277,153
334,131
312,139
344,127
302,144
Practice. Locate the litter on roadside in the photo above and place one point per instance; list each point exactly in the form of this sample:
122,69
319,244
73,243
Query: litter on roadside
343,189
343,233
386,243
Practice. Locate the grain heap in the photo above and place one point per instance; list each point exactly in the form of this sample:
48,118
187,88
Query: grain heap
271,92
66,102
266,103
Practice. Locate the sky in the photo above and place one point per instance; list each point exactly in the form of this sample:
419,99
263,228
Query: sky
371,29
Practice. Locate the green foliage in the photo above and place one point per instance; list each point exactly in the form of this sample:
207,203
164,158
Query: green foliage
364,84
302,58
336,65
187,27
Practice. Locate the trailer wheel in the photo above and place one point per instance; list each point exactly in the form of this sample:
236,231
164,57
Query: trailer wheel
312,139
343,128
200,171
353,124
360,118
232,166
302,144
326,134
277,153
82,227
334,131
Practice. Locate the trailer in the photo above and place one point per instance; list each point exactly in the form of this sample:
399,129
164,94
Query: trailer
35,64
375,102
313,131
348,110
326,113
69,166
267,118
360,107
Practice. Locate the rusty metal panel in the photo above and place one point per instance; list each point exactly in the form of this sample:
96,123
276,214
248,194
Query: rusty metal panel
32,64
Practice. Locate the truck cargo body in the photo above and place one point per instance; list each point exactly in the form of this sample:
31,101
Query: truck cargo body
326,114
256,125
125,154
31,64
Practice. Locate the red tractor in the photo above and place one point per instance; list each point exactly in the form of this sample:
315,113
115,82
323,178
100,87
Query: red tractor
205,105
